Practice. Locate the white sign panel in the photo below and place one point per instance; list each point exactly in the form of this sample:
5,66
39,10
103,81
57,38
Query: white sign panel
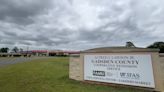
133,70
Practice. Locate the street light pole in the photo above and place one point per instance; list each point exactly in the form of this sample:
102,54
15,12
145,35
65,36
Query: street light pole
27,51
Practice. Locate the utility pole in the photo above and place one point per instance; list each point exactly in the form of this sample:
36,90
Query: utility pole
27,51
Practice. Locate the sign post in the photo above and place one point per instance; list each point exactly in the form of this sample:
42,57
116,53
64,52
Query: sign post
135,70
137,67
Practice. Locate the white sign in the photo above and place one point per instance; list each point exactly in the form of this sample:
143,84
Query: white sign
133,70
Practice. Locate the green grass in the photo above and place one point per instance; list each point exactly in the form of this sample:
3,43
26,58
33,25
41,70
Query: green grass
47,75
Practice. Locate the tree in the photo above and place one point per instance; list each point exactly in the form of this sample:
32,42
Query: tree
21,50
4,50
15,49
159,45
129,44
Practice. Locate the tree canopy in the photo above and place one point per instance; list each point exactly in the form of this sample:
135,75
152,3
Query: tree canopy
130,44
15,49
159,45
4,50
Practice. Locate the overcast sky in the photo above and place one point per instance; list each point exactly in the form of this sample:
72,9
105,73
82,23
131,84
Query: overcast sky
80,24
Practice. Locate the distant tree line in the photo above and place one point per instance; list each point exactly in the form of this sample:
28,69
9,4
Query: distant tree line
158,45
6,50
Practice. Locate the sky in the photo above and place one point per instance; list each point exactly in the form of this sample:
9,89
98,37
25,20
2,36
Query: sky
80,24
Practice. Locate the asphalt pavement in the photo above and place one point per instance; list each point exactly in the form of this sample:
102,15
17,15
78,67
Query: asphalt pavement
8,61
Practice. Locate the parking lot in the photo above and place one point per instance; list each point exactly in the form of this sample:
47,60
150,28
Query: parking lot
12,60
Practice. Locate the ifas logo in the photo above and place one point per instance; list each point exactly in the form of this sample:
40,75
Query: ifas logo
130,75
98,73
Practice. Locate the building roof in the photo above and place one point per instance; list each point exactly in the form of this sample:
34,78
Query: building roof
119,49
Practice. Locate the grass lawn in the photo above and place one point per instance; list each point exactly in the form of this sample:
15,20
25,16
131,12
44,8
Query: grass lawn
47,75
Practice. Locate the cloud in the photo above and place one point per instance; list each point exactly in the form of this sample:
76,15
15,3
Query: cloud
80,24
22,11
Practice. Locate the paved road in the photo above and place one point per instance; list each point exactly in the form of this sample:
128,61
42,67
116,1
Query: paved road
8,61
